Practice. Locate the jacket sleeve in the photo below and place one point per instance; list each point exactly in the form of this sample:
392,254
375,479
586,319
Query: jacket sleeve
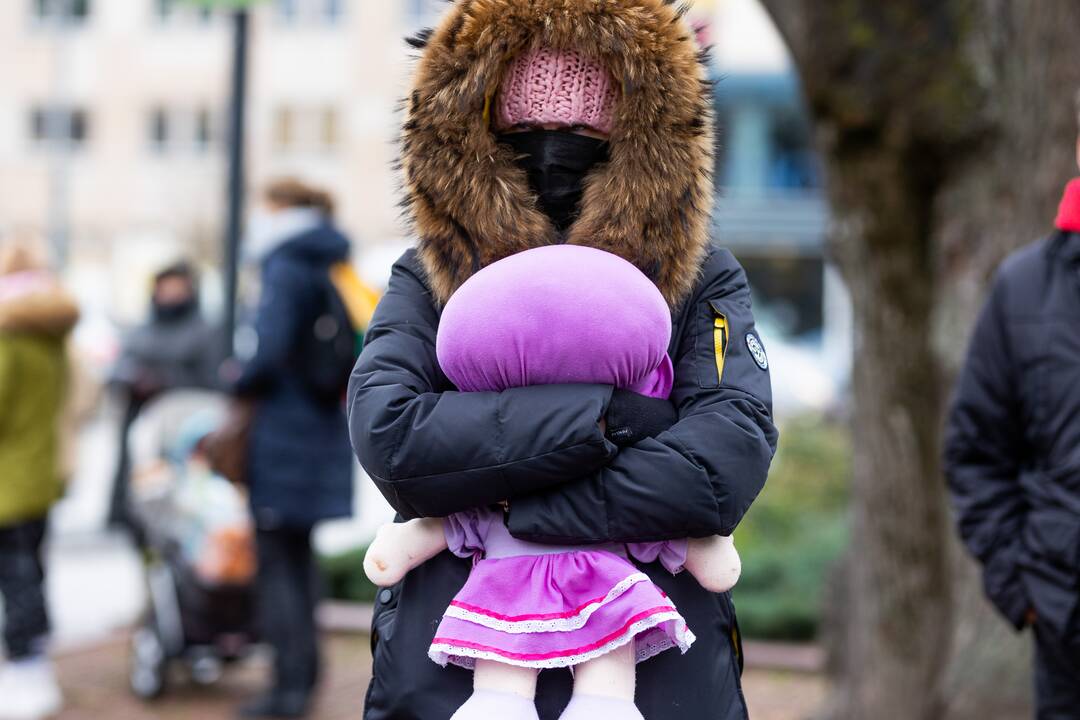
982,460
8,381
433,451
277,325
698,478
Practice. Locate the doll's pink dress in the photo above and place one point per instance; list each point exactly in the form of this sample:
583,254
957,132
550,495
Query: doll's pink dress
555,315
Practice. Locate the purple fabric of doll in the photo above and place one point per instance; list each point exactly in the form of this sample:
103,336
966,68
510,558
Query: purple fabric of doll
555,315
561,314
482,531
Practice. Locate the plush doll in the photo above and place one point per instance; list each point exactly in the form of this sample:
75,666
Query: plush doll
553,315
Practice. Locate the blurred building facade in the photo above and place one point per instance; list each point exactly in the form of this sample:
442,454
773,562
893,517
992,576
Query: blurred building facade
772,211
112,129
112,119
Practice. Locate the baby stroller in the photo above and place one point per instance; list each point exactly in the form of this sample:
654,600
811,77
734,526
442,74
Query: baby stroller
194,530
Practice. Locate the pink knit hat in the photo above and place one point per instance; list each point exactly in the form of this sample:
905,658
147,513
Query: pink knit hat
556,86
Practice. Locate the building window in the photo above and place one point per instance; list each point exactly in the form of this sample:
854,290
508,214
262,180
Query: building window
790,291
793,165
328,122
159,129
180,129
61,12
307,129
64,127
286,10
168,12
333,10
203,130
283,129
310,12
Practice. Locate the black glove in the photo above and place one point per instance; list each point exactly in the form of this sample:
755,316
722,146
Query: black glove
631,417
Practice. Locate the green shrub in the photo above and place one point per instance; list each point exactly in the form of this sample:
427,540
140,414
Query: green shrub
794,533
345,579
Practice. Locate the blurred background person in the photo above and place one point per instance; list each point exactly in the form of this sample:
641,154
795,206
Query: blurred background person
299,463
1013,448
36,316
175,348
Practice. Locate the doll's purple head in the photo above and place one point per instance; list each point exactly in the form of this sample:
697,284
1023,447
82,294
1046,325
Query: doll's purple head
562,314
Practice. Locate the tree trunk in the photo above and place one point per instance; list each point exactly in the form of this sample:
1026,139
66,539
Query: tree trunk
947,129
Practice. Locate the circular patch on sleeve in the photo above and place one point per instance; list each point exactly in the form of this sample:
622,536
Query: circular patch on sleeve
757,351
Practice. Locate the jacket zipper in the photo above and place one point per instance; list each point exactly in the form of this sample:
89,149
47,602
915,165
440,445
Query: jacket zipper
720,344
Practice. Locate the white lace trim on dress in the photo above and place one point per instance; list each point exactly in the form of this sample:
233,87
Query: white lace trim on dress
518,627
442,653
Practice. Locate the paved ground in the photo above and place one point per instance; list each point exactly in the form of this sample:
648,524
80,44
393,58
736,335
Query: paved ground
95,683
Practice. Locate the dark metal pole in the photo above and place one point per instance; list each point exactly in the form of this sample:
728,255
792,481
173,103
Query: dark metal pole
236,171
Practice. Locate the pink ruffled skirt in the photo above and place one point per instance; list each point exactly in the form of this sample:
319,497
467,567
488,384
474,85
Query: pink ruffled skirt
549,611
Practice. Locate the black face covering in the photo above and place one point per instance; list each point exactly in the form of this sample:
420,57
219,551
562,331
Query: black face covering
556,163
174,312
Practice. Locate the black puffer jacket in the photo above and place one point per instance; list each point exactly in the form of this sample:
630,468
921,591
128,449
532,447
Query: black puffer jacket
433,451
1013,438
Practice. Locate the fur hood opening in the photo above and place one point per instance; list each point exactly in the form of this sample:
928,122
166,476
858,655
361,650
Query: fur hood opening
471,205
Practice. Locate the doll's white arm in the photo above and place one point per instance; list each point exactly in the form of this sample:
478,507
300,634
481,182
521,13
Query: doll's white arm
714,562
400,547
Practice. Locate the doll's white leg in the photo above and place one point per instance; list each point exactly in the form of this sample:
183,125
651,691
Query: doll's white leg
501,677
500,692
714,562
400,547
604,688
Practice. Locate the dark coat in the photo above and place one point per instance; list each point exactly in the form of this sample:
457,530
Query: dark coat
300,464
165,354
433,451
1012,452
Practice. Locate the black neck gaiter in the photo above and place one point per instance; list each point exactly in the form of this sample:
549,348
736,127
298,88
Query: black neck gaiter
174,312
556,163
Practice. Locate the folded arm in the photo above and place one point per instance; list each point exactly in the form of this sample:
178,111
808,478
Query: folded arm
698,478
433,451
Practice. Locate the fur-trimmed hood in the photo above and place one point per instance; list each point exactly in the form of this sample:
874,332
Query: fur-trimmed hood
471,205
32,302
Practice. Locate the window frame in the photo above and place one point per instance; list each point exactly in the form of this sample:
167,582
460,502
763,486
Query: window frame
60,13
59,126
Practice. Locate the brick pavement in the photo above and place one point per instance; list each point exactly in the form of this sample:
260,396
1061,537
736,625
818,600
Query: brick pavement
96,688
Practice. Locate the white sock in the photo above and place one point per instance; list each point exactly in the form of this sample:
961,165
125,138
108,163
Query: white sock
592,707
492,705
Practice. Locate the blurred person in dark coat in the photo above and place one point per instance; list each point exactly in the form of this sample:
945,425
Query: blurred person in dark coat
176,348
1012,452
299,460
36,315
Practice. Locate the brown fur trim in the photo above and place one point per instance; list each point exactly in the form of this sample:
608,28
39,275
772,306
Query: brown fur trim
471,205
44,309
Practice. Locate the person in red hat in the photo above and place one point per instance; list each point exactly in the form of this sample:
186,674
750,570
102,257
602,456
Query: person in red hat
1012,452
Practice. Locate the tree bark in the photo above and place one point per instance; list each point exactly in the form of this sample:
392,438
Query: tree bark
946,127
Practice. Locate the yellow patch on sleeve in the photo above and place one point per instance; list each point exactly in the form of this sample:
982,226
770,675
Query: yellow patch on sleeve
720,344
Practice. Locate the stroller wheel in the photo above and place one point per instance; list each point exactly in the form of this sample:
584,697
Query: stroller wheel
206,668
148,664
